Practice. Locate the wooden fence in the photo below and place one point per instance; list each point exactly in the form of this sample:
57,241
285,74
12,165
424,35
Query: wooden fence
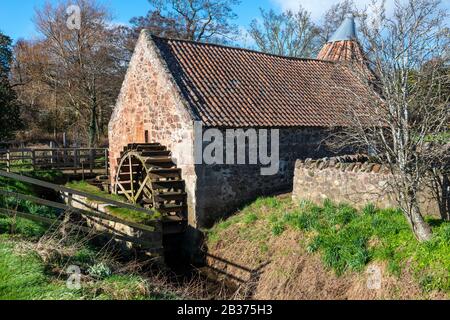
148,245
72,160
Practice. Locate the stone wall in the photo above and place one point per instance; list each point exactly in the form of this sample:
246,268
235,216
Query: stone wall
222,189
105,227
150,101
351,180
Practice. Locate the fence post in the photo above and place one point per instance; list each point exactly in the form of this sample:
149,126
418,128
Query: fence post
8,161
52,147
106,161
92,156
33,159
75,160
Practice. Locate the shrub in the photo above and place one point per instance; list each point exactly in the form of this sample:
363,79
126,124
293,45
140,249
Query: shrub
100,271
25,228
250,218
369,209
278,228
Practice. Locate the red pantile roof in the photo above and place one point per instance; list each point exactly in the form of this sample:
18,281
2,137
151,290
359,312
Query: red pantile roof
232,87
344,51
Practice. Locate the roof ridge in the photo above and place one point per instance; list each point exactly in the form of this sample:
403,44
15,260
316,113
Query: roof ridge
238,49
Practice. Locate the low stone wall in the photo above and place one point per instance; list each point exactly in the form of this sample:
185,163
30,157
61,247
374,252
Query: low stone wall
353,180
153,239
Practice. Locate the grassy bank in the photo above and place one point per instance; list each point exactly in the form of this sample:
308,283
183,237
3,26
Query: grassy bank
344,240
33,270
34,259
25,275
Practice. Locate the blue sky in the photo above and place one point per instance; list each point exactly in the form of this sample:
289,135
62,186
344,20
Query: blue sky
16,15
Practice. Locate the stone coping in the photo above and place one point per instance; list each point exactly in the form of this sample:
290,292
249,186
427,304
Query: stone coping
349,163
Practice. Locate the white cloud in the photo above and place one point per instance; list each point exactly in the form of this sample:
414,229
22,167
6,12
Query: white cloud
319,7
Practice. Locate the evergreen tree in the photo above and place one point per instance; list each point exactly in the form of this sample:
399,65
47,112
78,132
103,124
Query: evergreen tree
9,106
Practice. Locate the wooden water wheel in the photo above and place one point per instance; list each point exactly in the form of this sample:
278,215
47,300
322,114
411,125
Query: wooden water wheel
147,175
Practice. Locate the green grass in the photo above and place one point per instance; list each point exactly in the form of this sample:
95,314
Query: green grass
133,216
22,226
26,228
52,176
443,137
125,214
89,188
24,276
348,240
25,167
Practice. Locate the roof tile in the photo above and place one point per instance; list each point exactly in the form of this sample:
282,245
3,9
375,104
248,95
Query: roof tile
232,87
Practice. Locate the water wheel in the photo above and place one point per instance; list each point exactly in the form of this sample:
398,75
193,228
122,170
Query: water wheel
147,175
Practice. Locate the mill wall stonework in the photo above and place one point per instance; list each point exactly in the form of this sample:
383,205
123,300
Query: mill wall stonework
150,101
222,189
355,183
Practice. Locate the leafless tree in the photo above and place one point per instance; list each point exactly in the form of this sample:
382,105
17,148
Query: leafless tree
404,127
197,20
79,70
286,34
35,89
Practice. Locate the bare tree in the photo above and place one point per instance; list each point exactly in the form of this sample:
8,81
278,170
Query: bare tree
403,127
197,20
79,69
286,34
34,88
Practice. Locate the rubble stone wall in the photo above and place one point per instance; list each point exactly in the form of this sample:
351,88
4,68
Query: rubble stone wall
351,180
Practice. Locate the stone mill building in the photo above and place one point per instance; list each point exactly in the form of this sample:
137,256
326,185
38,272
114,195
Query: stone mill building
173,84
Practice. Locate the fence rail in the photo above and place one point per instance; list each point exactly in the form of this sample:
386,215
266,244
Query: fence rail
72,192
76,160
68,194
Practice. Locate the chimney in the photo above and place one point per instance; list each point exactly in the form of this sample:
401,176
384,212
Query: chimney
343,46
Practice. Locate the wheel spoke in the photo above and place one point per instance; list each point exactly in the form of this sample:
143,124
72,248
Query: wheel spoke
125,192
142,186
154,180
131,178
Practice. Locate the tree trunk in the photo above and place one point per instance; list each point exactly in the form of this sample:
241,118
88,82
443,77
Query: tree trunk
420,227
445,199
93,125
410,208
